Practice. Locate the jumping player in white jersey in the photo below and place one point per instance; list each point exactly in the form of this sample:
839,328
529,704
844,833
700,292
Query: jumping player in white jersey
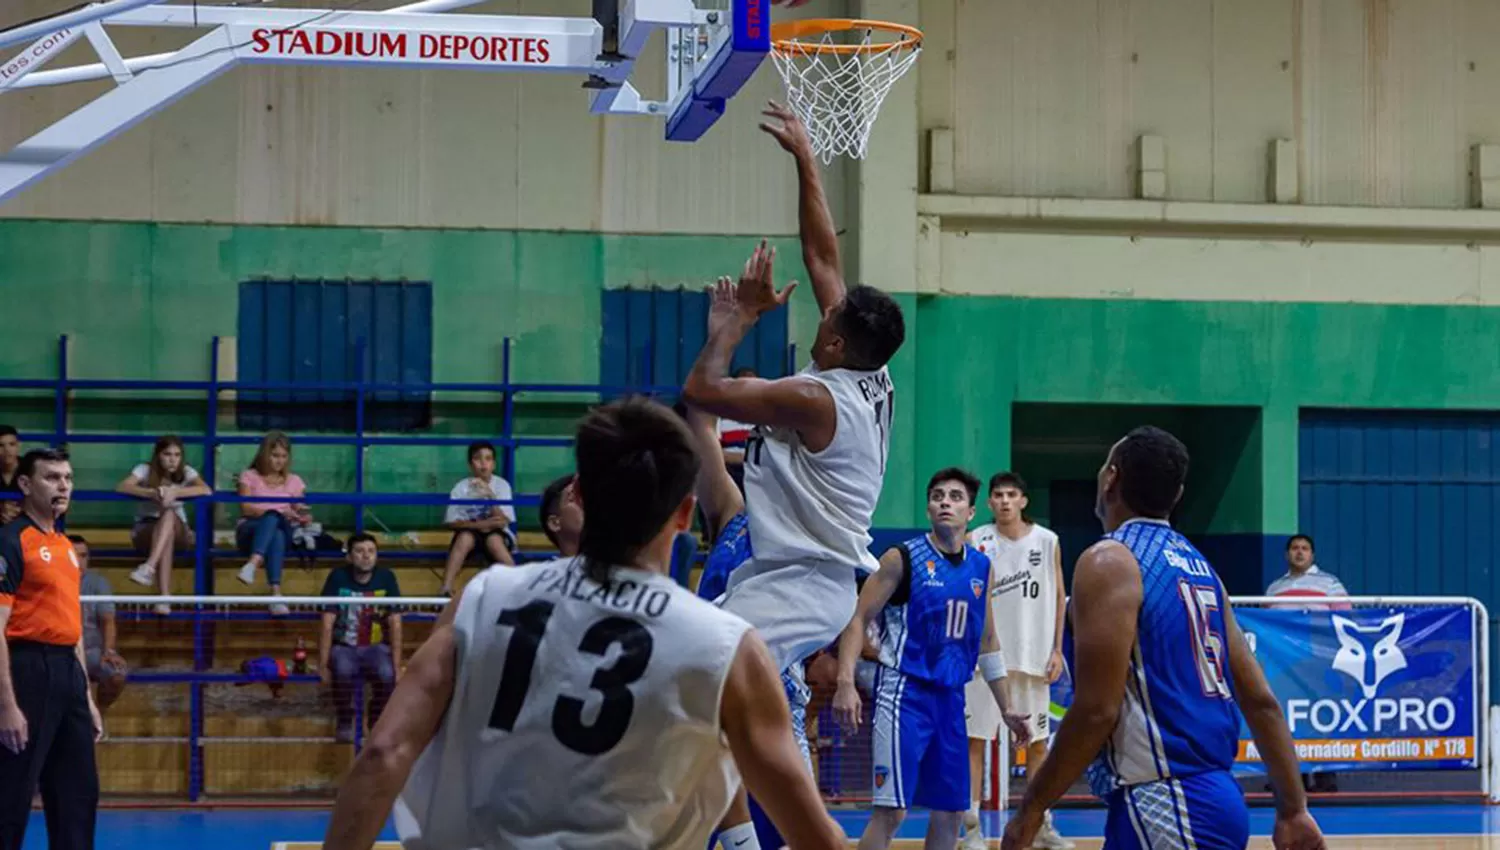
540,704
1161,677
1027,603
815,464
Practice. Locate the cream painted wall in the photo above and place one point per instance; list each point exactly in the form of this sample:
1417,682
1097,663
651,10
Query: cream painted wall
1381,97
407,148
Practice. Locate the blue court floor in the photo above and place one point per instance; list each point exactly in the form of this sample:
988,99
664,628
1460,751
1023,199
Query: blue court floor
259,829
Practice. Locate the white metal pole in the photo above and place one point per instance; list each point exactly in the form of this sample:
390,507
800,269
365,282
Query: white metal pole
435,6
27,32
94,71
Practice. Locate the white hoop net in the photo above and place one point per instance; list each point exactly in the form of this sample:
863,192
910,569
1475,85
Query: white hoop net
838,94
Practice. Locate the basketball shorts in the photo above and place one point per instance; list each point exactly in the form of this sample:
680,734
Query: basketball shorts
797,610
730,550
1031,696
921,750
981,714
1206,811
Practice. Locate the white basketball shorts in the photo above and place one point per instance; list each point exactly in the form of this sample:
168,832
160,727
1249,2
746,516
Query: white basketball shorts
797,610
1028,695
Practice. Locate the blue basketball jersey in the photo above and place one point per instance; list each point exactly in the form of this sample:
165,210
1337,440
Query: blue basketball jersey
1178,718
932,626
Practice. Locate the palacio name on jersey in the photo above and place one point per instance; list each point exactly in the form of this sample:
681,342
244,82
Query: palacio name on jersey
877,386
620,594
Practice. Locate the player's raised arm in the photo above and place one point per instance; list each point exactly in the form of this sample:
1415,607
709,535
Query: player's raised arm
1295,828
820,239
409,722
1107,596
758,725
799,403
718,495
879,588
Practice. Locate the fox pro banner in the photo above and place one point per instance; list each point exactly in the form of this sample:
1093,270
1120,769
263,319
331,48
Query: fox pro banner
1389,688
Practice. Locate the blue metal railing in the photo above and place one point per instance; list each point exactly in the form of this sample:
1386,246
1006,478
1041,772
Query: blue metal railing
64,384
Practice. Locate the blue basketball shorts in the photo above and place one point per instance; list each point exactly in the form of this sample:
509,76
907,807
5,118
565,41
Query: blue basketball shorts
729,552
1206,811
921,744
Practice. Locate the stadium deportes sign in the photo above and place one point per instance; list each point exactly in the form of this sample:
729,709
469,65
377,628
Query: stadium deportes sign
1371,689
377,46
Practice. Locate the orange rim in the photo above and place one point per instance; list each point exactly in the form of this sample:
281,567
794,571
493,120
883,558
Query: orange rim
788,36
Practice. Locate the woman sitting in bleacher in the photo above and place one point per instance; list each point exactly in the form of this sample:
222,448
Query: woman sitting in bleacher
161,522
265,529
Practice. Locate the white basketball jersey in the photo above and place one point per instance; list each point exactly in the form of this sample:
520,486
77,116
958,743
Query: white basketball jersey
1023,594
809,507
583,716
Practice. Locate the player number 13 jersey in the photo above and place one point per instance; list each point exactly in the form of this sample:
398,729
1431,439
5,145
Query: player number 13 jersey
583,715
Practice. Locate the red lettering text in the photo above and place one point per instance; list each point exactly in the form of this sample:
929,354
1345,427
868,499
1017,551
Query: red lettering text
755,15
301,42
495,48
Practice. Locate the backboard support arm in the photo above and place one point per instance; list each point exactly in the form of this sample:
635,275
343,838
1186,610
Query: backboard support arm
718,51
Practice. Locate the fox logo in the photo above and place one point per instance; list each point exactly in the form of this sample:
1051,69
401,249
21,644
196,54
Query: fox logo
1368,654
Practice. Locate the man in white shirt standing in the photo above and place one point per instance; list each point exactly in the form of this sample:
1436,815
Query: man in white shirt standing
1027,604
1305,581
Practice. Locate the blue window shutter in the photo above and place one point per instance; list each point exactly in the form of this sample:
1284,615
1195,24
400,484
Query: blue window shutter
312,332
653,336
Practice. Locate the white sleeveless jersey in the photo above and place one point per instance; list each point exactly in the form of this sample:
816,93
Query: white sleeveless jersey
813,507
1023,594
582,717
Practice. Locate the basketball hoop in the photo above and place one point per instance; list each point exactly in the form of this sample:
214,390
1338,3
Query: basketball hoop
837,73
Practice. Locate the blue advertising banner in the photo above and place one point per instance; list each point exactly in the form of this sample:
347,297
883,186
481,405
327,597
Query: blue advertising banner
1371,688
1391,688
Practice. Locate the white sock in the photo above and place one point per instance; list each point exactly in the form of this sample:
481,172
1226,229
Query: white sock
740,837
971,817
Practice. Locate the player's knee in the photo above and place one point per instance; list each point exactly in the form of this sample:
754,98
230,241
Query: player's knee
888,818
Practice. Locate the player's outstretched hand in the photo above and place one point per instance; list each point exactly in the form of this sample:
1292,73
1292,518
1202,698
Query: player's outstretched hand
1020,831
757,290
846,707
790,132
723,304
1016,723
1297,832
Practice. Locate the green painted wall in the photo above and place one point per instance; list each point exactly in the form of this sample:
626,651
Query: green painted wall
978,356
143,300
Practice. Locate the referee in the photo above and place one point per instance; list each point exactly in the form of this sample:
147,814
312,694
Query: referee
48,722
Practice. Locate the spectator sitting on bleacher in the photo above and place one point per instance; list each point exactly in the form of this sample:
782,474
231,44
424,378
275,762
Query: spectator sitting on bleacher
161,521
353,645
473,524
265,529
562,516
106,669
10,464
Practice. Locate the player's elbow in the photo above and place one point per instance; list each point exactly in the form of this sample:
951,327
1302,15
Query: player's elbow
1258,702
699,391
1096,714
